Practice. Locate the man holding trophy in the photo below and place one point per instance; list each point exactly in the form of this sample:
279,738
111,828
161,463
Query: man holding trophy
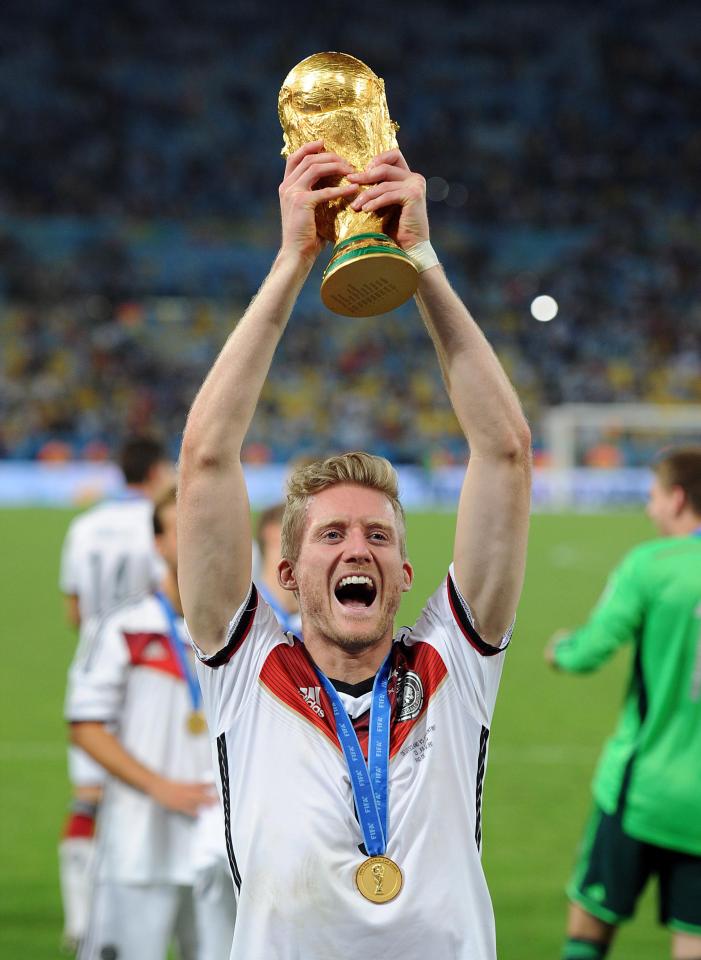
352,764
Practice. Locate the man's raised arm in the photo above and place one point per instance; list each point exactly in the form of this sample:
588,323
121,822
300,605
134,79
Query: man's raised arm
214,527
492,523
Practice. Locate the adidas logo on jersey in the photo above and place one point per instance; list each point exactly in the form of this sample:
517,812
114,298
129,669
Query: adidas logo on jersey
312,697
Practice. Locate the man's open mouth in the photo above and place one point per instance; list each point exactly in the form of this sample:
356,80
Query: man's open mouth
355,591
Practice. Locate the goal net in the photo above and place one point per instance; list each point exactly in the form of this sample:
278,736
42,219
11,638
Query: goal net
617,434
597,456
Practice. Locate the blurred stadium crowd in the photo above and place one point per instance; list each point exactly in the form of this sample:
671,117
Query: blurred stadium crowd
138,214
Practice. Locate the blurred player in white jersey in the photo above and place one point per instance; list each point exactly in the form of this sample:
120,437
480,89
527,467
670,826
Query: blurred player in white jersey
108,555
136,676
352,764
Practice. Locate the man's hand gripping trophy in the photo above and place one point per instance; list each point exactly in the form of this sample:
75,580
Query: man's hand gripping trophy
387,182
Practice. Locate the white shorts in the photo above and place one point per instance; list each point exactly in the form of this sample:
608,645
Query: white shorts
215,897
139,921
83,771
215,907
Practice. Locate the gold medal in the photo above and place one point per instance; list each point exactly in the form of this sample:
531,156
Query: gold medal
379,879
196,723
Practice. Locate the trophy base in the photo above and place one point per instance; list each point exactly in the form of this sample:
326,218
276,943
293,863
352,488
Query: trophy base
368,275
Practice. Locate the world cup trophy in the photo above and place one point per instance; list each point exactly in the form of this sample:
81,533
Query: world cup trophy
335,98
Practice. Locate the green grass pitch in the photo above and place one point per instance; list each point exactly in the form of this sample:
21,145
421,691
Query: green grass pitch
545,739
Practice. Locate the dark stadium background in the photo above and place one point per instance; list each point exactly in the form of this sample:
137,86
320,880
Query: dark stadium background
139,168
138,212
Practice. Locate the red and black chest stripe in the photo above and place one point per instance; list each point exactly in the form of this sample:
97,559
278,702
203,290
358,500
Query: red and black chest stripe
417,672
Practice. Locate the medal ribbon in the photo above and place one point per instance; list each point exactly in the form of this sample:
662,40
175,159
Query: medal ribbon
178,648
368,780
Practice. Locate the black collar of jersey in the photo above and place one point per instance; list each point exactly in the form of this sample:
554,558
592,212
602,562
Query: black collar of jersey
354,689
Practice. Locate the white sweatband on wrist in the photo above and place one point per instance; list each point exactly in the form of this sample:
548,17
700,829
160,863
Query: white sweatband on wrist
422,255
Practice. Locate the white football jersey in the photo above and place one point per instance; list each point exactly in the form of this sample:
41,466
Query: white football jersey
109,555
293,839
130,678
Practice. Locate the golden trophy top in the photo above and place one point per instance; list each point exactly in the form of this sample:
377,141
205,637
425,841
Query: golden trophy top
338,99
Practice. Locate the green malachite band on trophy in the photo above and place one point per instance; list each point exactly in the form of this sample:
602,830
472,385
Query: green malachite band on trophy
362,236
364,252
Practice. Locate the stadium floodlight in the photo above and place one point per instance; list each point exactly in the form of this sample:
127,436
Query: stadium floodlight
544,308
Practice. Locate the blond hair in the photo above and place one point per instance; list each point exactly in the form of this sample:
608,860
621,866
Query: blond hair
363,469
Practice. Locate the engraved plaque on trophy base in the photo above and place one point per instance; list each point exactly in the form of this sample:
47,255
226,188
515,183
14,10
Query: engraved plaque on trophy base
368,275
